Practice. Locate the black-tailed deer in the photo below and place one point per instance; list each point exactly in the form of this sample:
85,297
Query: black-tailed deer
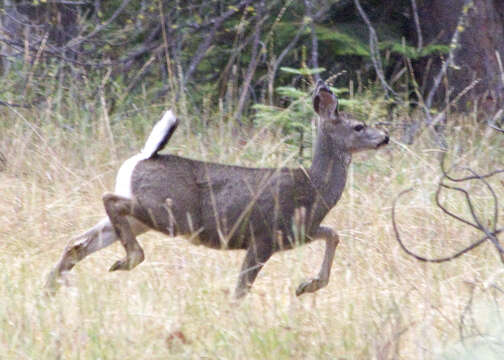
229,207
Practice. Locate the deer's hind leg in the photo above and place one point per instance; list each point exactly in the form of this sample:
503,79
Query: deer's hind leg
99,236
118,208
255,258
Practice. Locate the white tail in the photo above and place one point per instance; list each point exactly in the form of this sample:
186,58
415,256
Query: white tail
160,135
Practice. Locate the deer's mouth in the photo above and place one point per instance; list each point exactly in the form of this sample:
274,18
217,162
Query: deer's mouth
384,142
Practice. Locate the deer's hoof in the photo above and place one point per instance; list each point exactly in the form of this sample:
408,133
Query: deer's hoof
54,281
311,285
128,262
120,265
52,284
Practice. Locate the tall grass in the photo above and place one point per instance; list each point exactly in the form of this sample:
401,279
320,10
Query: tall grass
379,304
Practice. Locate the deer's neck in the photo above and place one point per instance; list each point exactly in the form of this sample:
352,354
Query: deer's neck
328,174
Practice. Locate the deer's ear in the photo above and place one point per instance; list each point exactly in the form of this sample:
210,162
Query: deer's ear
324,103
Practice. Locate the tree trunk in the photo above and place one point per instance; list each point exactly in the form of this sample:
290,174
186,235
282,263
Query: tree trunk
476,57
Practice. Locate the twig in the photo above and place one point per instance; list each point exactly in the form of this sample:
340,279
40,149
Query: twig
467,310
56,52
286,50
489,234
137,77
417,24
253,63
375,54
451,56
3,103
314,39
496,128
35,63
451,178
238,45
104,25
278,61
205,44
431,260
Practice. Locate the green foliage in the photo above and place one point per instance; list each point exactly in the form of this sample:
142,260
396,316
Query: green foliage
412,52
293,121
303,71
342,42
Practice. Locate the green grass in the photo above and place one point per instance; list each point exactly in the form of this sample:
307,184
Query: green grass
379,304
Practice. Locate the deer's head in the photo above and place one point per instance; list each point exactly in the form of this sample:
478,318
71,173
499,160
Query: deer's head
344,131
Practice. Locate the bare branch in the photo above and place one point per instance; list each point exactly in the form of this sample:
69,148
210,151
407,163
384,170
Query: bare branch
375,54
314,39
448,212
433,260
496,128
56,52
3,103
253,63
451,178
417,24
451,56
102,26
477,224
278,61
205,44
287,49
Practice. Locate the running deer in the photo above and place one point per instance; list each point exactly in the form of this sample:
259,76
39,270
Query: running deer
229,207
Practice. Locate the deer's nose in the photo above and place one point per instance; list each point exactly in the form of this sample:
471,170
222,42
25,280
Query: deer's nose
387,138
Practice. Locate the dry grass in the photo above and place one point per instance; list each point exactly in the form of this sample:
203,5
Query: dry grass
380,304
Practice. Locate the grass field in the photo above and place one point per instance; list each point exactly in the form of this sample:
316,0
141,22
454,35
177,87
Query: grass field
379,304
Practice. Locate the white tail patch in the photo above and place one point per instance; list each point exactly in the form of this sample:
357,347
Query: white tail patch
123,179
158,134
156,140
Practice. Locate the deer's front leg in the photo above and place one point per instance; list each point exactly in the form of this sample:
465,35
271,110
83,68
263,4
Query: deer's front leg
332,240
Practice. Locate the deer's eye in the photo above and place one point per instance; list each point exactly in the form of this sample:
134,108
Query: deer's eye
358,127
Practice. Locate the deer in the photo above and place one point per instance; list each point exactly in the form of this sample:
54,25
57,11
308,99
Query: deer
260,210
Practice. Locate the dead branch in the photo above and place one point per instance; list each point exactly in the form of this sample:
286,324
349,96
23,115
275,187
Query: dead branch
238,46
496,128
417,24
255,54
314,39
468,313
50,50
205,44
451,55
288,48
3,103
283,54
489,234
373,49
451,178
99,28
3,162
